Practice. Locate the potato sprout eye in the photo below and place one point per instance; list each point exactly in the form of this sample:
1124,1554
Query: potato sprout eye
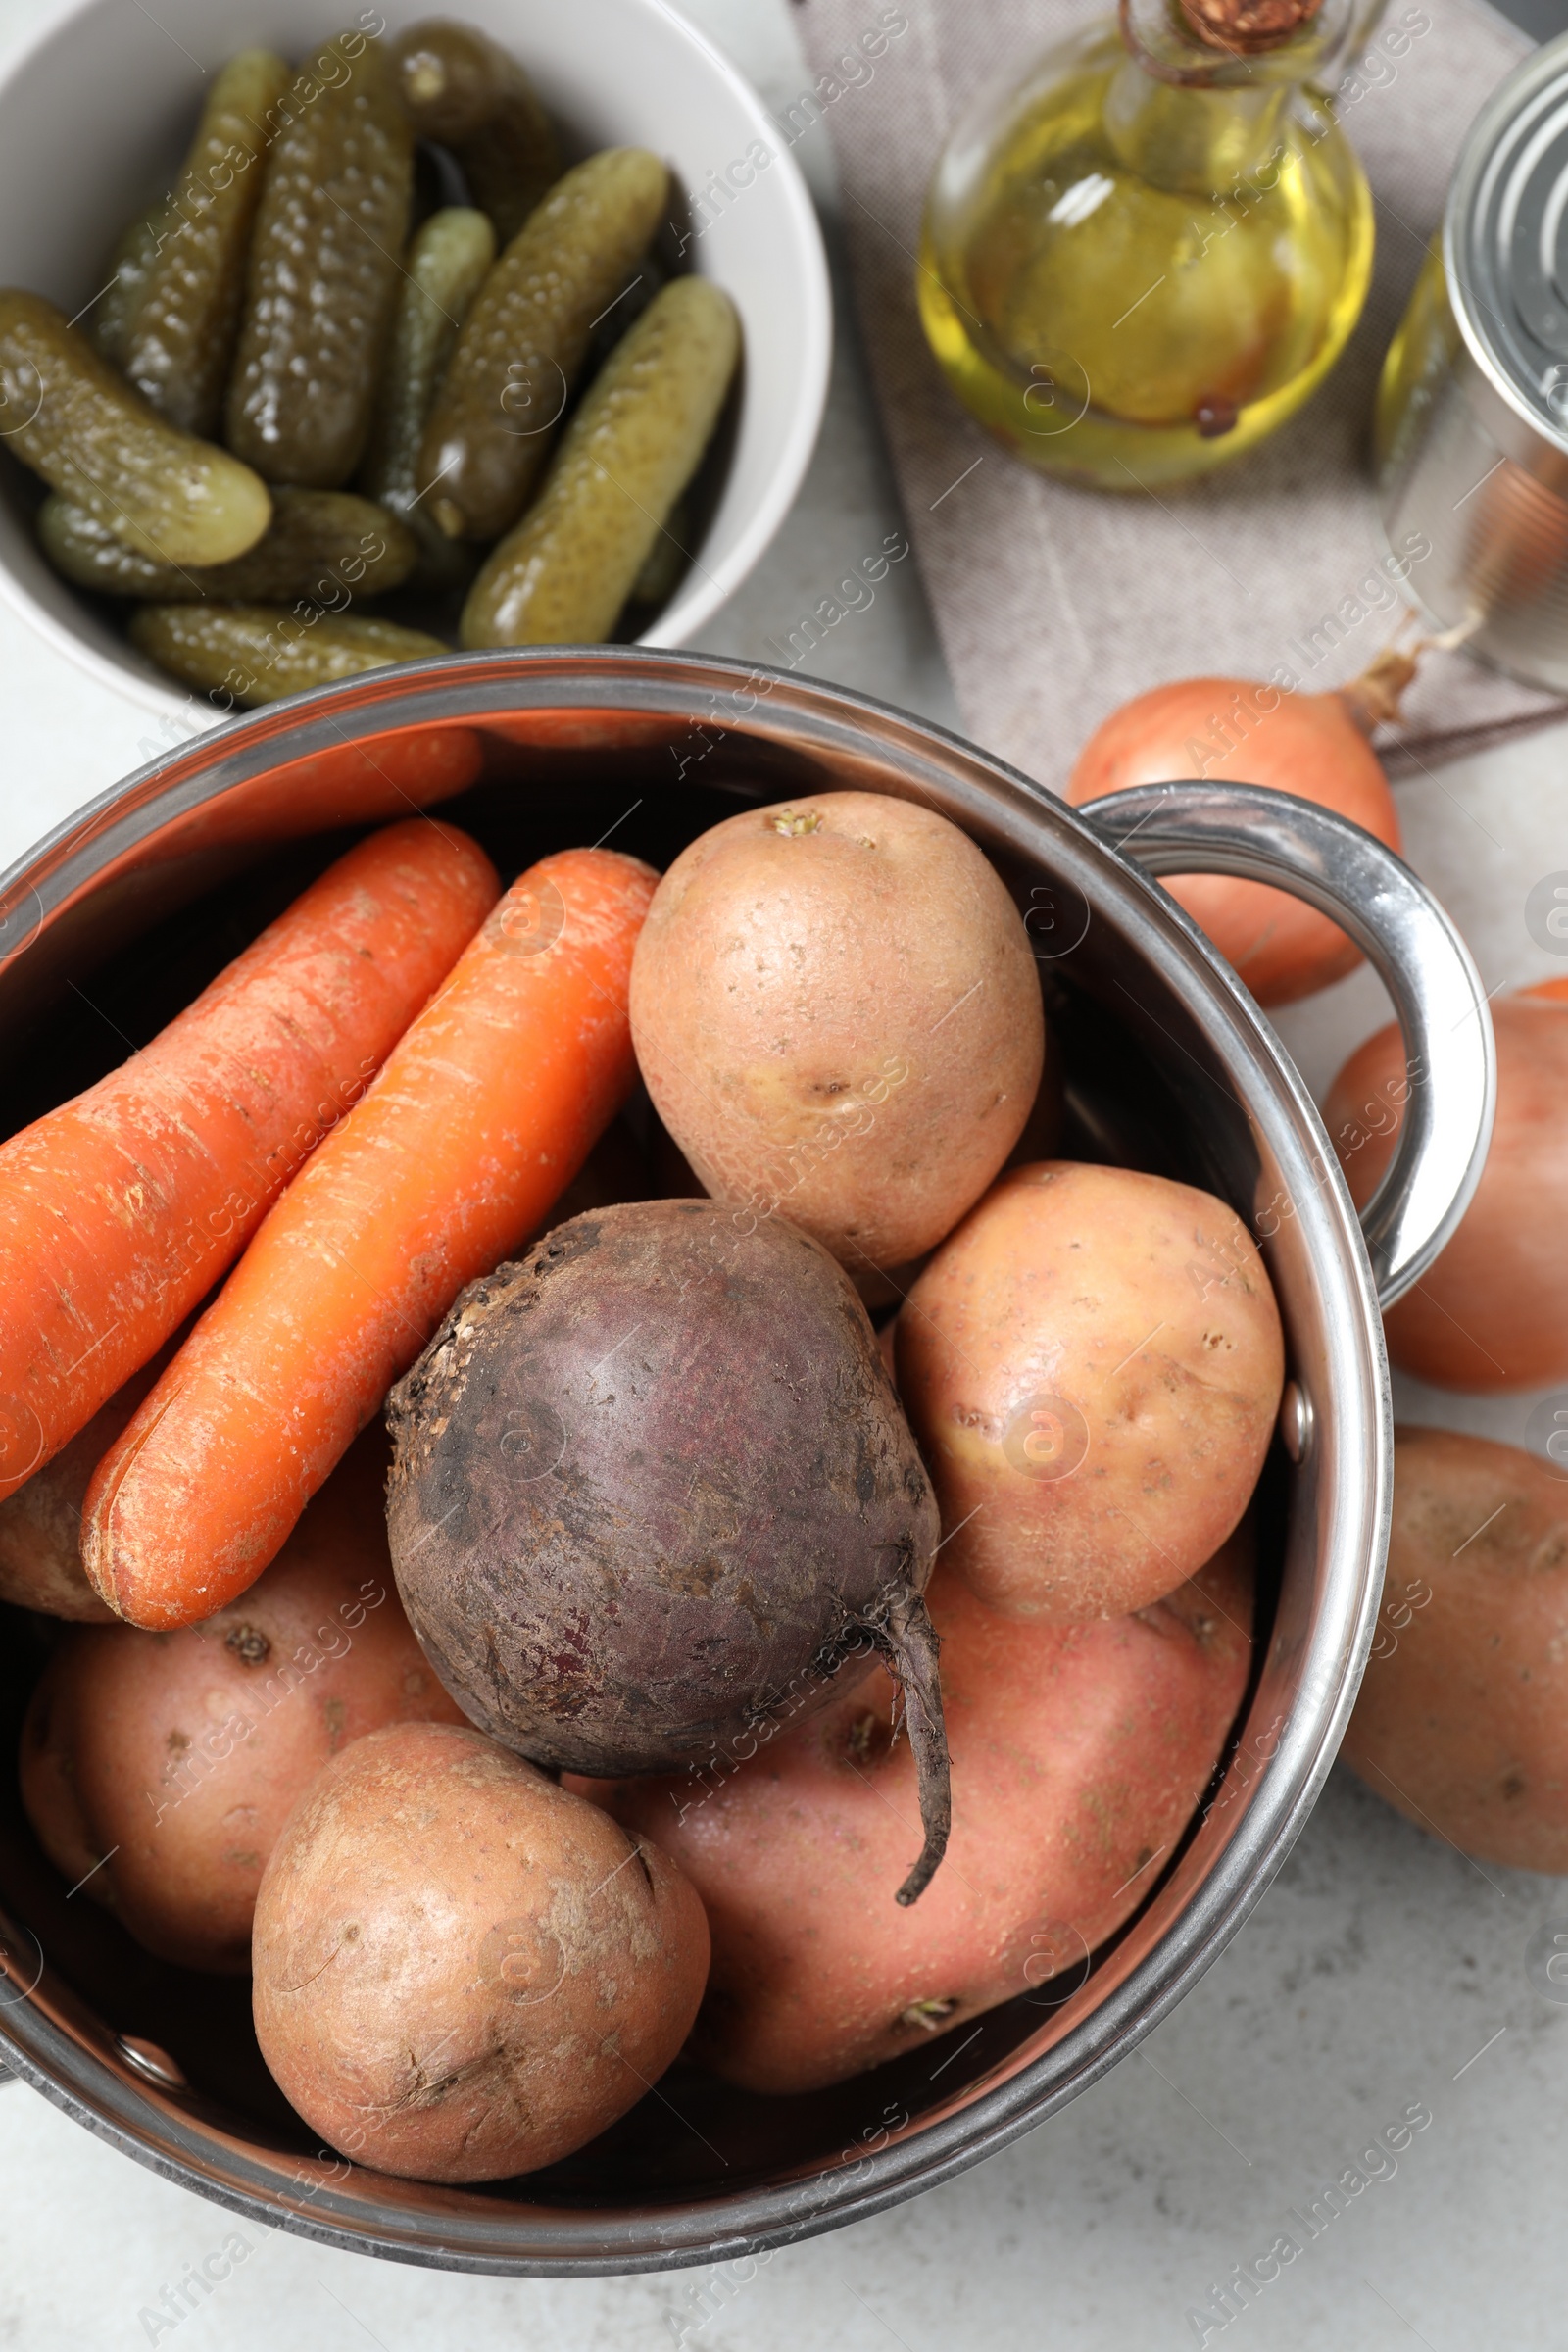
931,2014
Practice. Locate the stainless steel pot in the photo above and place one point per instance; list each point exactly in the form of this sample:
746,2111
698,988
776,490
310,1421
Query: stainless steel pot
1170,1064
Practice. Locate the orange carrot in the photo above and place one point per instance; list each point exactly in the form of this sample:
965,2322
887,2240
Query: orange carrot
483,1114
119,1210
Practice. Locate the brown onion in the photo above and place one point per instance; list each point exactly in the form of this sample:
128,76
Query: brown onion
1244,732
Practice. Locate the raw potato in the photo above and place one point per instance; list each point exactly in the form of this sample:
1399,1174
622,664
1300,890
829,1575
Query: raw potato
1078,1755
1493,1313
836,1011
460,1970
1462,1719
1041,1136
40,1523
1092,1365
179,1755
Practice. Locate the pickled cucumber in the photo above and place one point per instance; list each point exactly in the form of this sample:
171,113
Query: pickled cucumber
110,317
179,339
462,90
526,338
323,274
665,562
251,654
564,574
322,544
444,269
65,411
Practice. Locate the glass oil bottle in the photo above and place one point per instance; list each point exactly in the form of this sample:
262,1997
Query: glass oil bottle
1143,257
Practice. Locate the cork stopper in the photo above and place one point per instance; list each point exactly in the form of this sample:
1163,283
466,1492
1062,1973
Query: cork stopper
1247,28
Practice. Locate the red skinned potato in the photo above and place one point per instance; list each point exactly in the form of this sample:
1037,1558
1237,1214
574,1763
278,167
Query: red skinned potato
1078,1755
179,1755
837,1013
1492,1314
461,1972
1091,1364
1462,1719
1313,745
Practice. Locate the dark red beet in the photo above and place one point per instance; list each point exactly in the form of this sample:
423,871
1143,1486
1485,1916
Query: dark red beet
654,1494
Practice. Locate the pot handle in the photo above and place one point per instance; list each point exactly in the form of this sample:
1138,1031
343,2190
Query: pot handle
1266,836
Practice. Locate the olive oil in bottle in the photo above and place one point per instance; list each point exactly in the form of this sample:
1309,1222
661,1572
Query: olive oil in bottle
1142,261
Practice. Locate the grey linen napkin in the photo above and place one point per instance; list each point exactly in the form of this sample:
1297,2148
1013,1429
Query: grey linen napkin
1055,603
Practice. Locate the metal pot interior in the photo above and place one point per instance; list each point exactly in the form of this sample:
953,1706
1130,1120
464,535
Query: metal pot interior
118,920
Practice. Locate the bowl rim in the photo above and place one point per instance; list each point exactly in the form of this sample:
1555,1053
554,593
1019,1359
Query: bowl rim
1269,1789
702,592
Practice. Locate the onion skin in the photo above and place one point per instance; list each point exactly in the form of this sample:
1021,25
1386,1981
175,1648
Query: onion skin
1492,1314
1313,745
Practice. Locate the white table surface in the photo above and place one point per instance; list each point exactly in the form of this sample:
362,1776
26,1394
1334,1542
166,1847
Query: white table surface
1375,1970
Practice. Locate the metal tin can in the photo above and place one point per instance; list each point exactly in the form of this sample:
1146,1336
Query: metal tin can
1472,414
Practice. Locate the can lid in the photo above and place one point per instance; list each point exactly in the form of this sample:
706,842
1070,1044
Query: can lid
1506,240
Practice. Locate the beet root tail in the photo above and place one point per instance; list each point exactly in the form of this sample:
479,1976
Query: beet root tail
905,1633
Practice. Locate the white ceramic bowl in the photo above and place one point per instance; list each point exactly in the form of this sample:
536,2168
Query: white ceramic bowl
94,120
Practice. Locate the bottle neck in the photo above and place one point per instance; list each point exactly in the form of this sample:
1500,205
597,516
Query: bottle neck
1197,141
1192,115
